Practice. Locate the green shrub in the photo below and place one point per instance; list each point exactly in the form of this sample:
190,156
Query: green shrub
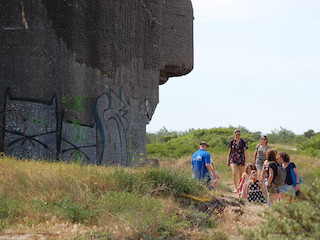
73,211
173,148
124,181
310,146
163,135
282,136
184,144
168,182
299,220
155,181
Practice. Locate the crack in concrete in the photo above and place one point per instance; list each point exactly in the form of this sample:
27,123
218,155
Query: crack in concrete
148,11
23,16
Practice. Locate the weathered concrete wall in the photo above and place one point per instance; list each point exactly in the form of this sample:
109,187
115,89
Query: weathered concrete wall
79,79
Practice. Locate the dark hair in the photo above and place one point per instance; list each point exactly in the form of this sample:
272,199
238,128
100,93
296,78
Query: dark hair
264,136
251,166
284,156
236,130
275,150
271,155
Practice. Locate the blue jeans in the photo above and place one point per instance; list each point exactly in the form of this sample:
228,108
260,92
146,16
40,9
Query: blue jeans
289,189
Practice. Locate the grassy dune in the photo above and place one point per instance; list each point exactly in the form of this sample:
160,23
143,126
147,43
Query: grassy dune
73,201
57,200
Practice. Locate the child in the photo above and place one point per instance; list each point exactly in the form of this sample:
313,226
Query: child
254,191
243,184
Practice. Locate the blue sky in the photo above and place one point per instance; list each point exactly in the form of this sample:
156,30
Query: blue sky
256,64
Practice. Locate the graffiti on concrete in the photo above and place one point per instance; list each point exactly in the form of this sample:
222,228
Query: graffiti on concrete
30,128
113,123
33,131
79,79
78,143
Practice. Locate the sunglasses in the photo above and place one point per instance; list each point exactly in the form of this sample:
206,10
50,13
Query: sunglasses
263,139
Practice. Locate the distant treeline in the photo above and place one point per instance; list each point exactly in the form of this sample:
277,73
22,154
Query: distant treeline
174,144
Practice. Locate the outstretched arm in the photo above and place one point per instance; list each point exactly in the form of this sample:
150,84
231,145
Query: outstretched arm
212,170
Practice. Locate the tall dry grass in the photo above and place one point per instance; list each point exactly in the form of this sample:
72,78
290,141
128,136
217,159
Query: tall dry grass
83,201
113,202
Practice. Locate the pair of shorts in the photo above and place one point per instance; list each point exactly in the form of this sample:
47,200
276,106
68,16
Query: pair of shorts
238,159
289,189
259,164
274,188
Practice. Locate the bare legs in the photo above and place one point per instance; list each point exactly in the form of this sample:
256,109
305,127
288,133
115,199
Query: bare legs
259,174
235,169
274,197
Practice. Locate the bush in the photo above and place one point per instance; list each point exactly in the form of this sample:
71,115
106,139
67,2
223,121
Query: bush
311,146
168,182
185,144
173,148
298,220
282,136
308,134
73,211
162,136
154,181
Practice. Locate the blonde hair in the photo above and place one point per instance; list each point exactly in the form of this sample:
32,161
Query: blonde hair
252,174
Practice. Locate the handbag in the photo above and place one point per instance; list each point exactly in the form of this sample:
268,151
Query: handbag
293,176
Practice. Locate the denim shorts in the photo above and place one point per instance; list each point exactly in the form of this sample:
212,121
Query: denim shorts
259,164
289,189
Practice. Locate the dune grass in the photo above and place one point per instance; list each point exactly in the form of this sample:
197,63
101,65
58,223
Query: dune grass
118,202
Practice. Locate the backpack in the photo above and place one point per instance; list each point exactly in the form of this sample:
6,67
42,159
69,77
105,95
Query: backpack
280,179
293,176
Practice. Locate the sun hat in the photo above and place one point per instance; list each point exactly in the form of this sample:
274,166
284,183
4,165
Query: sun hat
204,143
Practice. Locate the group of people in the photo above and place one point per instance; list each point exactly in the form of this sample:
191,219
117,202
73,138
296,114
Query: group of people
270,178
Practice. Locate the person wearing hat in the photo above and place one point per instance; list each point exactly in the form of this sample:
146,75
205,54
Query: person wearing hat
201,164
